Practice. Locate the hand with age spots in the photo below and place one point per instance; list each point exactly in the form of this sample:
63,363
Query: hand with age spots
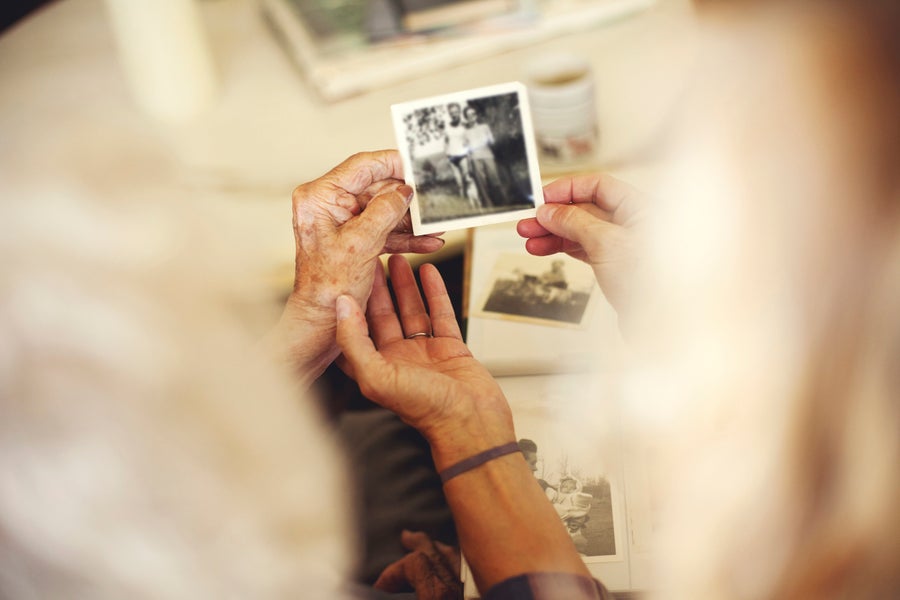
342,222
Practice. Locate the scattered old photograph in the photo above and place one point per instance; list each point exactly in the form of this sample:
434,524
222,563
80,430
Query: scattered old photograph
549,290
470,156
576,481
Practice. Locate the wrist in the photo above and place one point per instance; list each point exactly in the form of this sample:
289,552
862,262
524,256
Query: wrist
487,426
304,339
477,460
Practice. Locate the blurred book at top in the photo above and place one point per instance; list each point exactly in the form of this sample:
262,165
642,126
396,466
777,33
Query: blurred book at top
429,15
347,47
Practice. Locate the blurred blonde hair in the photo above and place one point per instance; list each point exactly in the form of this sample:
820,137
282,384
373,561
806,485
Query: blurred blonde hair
147,449
777,244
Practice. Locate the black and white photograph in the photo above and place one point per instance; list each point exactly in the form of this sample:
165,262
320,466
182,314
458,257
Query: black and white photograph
576,475
582,498
549,290
470,157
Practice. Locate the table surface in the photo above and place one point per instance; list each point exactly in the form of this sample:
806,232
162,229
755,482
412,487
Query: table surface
68,120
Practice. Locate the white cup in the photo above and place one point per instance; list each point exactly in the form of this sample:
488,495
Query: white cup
163,49
563,108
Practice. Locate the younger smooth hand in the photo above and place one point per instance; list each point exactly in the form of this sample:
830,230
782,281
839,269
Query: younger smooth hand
591,218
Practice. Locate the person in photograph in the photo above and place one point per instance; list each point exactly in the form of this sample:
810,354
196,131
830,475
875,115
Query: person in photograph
553,283
517,285
482,163
576,525
457,149
563,496
529,450
575,519
572,505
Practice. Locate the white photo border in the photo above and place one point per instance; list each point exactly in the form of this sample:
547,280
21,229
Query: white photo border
399,111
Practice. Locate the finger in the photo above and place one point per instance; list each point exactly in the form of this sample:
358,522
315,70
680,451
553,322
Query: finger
440,308
450,555
381,315
530,228
381,216
545,246
419,541
430,580
400,243
572,223
357,346
404,225
619,199
397,576
443,560
447,556
376,189
413,316
442,565
361,170
425,244
316,199
415,540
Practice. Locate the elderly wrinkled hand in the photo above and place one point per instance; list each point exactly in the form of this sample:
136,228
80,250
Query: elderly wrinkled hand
342,222
591,218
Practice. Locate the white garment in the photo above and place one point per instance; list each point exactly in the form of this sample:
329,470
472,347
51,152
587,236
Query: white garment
456,140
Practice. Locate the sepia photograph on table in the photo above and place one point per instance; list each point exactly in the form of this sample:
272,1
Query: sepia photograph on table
545,290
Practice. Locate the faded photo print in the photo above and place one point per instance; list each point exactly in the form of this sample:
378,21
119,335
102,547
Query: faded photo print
550,290
468,158
578,491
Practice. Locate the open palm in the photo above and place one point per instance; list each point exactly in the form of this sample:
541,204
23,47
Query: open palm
414,362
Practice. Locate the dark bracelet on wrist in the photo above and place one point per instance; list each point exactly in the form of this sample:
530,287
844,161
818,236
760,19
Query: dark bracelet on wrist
476,461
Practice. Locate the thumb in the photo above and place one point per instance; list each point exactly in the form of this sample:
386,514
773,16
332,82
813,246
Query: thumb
352,337
574,223
382,214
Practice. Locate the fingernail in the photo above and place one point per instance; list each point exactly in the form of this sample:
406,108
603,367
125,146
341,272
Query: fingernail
342,307
406,191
